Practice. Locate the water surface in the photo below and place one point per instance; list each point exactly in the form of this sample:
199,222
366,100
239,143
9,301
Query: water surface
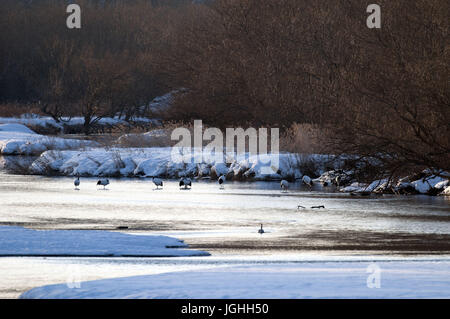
222,221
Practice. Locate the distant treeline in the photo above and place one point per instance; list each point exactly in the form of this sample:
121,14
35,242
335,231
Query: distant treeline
382,94
110,65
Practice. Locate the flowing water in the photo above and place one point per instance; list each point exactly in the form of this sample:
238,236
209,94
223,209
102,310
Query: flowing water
224,222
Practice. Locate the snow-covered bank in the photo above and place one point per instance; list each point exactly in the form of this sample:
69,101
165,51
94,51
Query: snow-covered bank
426,182
296,280
68,157
47,122
430,184
17,139
19,241
161,162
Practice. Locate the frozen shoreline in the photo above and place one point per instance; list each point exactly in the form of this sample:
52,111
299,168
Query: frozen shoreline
160,162
69,157
398,279
17,139
19,241
46,122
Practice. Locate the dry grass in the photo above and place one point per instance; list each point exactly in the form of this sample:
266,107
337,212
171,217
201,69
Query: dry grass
303,139
299,138
17,109
142,140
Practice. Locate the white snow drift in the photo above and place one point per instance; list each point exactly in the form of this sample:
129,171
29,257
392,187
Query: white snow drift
406,279
35,120
17,139
19,241
72,157
425,185
161,162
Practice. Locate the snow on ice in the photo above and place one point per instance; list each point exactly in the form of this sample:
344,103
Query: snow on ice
161,162
17,139
405,279
19,241
49,122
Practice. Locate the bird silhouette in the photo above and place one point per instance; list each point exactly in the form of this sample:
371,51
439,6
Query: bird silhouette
103,182
158,182
221,181
261,230
185,182
284,185
77,182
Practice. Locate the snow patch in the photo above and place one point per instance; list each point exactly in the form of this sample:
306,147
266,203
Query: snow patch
19,241
424,185
19,128
167,162
17,139
293,281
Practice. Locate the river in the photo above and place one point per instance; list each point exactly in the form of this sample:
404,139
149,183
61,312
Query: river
222,221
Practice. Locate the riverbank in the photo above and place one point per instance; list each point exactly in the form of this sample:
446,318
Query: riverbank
224,222
22,242
295,279
209,218
53,156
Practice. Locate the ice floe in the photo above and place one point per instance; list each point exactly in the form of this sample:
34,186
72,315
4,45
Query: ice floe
17,139
19,241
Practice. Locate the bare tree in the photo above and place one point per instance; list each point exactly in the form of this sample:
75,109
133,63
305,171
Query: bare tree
396,118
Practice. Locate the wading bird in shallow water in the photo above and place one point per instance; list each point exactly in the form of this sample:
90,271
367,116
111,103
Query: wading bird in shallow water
307,180
261,230
158,182
337,181
77,182
103,182
221,181
185,182
284,185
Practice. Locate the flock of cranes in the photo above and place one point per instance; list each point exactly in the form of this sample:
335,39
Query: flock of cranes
103,182
186,183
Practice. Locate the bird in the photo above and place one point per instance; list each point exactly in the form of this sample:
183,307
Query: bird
261,230
184,181
103,182
158,182
284,185
337,181
221,181
77,182
307,180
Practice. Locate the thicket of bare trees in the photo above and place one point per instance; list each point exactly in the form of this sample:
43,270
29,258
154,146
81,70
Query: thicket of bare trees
104,68
394,104
381,95
258,62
